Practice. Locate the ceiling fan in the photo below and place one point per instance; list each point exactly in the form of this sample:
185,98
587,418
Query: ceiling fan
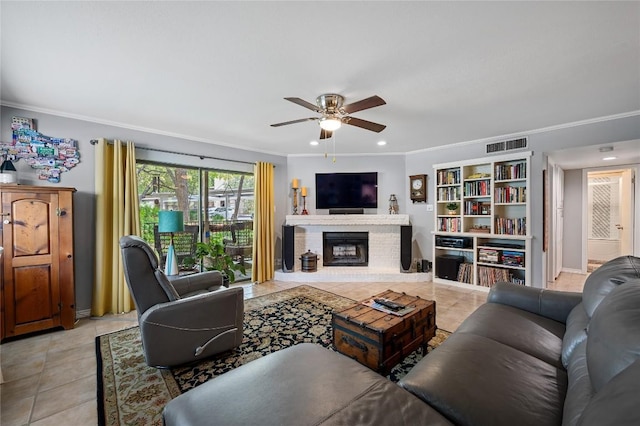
335,113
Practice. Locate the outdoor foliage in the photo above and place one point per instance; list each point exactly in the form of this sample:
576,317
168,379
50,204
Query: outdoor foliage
148,214
214,258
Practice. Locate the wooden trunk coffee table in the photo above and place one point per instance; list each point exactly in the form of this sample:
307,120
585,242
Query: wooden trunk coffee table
380,340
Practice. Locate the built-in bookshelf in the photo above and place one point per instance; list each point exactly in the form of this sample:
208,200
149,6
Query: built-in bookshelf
492,217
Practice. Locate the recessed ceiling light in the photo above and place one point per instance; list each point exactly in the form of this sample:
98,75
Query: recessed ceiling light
381,143
609,158
314,143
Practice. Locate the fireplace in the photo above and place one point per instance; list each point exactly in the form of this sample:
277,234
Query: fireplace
345,248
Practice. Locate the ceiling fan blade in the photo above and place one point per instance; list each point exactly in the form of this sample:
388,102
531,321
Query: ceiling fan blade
371,102
294,121
325,134
369,125
305,104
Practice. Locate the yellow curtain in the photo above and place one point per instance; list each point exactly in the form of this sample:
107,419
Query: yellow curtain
263,228
117,214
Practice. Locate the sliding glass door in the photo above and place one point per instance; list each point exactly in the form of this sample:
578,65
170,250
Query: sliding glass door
215,205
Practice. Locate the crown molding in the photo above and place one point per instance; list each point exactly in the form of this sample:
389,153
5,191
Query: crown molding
531,132
133,127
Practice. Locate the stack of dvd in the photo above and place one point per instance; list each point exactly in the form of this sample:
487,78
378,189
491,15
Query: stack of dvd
513,258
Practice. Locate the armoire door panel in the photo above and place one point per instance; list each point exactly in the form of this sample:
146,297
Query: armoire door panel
36,296
37,289
31,225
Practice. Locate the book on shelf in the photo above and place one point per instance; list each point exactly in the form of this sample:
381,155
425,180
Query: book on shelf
449,177
510,194
451,193
477,188
510,226
477,208
511,171
449,224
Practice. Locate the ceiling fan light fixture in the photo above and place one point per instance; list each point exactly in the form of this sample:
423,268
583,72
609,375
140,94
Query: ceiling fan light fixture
330,123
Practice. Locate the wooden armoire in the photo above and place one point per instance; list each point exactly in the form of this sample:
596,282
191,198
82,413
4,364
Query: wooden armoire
36,285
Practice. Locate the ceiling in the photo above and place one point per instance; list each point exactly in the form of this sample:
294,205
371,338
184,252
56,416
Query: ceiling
218,71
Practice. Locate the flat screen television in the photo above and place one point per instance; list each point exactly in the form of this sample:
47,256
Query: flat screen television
346,190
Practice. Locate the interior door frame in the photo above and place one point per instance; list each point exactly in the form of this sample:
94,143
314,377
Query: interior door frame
557,206
635,206
552,264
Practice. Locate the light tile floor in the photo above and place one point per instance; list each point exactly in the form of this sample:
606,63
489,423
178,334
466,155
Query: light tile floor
50,379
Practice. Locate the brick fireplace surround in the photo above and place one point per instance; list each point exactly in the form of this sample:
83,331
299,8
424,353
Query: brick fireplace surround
384,248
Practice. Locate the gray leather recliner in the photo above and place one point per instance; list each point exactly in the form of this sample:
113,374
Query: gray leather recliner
183,319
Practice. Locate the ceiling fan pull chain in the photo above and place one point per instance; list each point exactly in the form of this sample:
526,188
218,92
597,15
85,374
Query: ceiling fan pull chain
334,147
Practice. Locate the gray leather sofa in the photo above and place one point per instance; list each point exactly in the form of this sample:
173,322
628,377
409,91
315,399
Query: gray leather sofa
526,357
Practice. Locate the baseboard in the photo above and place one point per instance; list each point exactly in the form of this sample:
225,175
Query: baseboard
572,271
85,313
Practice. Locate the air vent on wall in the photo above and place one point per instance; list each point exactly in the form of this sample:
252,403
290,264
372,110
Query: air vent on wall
506,145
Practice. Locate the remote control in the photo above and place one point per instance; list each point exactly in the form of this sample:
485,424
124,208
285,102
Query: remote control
389,304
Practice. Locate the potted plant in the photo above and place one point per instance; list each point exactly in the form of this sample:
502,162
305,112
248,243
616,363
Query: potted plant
452,208
214,258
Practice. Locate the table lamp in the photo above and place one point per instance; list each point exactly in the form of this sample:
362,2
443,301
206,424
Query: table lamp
170,221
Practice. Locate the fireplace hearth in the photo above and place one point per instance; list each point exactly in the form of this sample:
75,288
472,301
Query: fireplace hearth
345,248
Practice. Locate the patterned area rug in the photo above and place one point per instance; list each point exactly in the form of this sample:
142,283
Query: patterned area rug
131,393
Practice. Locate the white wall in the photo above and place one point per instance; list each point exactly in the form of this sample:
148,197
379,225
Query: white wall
392,178
81,177
572,224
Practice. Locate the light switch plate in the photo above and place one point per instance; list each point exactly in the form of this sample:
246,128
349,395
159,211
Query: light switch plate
429,207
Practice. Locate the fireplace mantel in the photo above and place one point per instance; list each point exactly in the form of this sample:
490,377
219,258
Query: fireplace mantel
348,219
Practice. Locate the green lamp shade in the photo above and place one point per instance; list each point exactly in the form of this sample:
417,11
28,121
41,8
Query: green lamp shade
170,221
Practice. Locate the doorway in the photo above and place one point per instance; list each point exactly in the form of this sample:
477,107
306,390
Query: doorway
610,204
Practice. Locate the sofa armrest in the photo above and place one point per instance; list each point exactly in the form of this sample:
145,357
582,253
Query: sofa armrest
552,304
201,312
207,280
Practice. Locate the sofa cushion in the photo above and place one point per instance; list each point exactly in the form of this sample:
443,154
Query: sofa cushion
614,334
617,402
607,277
305,384
475,380
527,332
579,390
576,332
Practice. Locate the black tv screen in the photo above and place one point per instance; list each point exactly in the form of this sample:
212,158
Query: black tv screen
346,190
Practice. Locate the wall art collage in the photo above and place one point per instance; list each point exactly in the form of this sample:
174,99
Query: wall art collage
50,156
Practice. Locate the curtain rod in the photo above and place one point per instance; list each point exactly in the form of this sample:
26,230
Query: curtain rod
202,157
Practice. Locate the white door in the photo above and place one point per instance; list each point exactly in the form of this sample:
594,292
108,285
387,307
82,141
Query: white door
609,226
